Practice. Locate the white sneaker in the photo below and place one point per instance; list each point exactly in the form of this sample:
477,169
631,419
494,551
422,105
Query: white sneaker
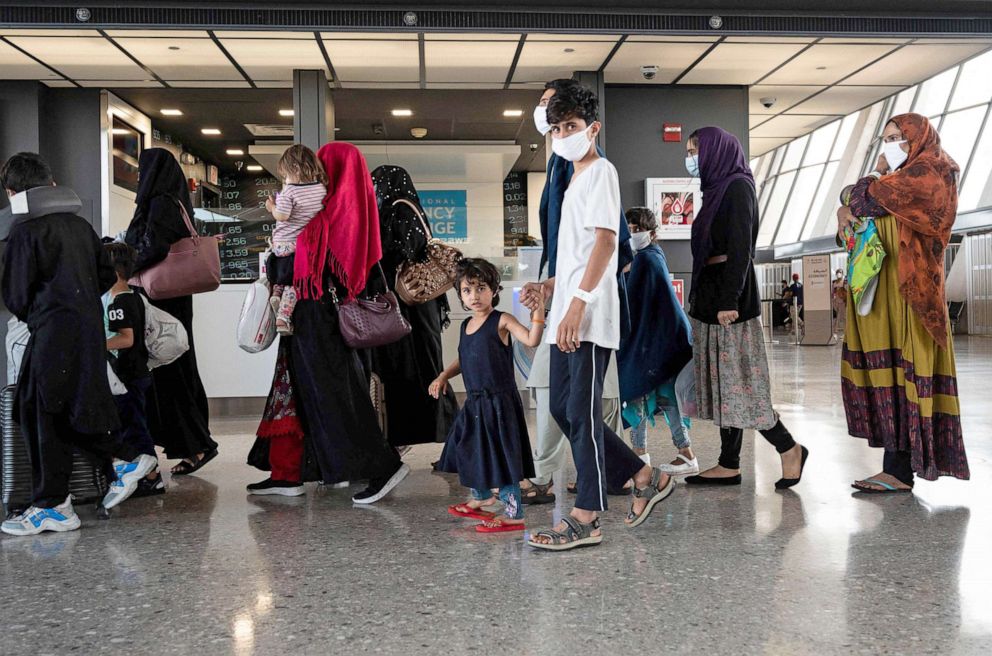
34,520
688,467
129,474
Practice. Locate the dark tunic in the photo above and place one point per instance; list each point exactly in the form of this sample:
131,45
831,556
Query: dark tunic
178,414
342,440
54,272
488,445
408,367
730,285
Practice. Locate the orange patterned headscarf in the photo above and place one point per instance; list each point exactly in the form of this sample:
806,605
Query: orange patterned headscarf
923,197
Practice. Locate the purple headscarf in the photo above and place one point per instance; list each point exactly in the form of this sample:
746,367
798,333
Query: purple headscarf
721,161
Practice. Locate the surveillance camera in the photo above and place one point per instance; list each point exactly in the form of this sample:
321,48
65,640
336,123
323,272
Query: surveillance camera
768,101
533,148
649,72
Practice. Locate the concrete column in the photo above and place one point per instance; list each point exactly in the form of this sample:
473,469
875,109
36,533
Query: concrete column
596,81
313,109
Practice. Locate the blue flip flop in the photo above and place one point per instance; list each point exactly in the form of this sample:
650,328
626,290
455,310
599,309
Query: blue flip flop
889,488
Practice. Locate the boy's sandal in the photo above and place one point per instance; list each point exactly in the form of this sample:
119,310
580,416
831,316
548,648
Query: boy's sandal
537,494
186,467
497,525
467,512
887,488
652,494
576,534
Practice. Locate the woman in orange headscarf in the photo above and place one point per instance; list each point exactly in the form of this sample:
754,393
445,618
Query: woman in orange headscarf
898,375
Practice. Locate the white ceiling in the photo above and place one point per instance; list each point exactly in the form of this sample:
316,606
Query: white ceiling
814,80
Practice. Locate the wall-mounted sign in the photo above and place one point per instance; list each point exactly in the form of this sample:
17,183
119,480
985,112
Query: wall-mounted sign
447,212
671,132
675,202
679,285
515,217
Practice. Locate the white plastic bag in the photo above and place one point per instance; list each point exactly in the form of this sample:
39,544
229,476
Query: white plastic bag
257,325
685,390
165,337
17,342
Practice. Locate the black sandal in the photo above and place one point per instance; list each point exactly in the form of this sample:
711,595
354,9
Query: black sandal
575,534
537,494
185,468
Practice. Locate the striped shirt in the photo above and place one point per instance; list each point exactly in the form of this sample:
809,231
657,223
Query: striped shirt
301,202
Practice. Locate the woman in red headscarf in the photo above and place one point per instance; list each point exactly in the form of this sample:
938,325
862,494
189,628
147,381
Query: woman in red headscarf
334,255
898,374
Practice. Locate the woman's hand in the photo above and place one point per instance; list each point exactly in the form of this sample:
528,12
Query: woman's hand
882,165
568,330
438,387
727,317
844,219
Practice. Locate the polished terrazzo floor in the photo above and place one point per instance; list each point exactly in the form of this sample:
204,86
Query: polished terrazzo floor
206,569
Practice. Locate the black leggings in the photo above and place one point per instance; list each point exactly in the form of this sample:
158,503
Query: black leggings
731,438
898,464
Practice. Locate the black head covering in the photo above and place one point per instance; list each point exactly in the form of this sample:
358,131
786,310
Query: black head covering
159,174
393,183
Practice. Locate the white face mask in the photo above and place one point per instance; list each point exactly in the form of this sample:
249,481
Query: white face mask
572,148
541,119
640,240
894,154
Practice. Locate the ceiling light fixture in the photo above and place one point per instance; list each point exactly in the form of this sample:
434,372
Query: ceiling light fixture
569,50
513,113
173,47
253,167
418,133
171,112
402,112
286,112
210,131
234,151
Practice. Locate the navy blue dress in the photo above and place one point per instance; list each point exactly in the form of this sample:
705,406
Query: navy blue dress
488,445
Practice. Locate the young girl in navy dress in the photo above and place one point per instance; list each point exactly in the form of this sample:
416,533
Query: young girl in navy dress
488,445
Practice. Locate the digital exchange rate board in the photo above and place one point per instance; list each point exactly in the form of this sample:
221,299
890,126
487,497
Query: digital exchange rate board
246,235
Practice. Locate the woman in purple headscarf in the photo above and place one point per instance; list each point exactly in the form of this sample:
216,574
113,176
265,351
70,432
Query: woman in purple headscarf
732,385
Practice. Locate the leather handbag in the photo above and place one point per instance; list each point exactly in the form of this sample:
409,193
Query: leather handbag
419,282
191,267
370,322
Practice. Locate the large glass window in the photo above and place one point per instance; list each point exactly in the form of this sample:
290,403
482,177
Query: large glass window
820,201
959,133
798,206
773,212
975,85
933,94
976,182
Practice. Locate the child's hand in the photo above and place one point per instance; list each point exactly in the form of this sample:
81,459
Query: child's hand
438,387
270,204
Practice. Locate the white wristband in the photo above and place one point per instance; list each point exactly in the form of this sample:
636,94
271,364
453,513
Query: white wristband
586,297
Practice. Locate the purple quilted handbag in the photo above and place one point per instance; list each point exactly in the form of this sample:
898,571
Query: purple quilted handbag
370,322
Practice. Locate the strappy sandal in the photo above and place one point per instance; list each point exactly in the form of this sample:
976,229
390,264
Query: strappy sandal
652,494
467,512
887,488
575,535
185,468
498,525
537,494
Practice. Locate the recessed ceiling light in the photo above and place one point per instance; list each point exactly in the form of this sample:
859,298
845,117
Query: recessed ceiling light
253,167
171,112
402,112
235,151
569,50
286,112
513,113
210,131
173,47
821,68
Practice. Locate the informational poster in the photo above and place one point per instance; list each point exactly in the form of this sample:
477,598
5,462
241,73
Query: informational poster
675,202
447,213
515,217
679,285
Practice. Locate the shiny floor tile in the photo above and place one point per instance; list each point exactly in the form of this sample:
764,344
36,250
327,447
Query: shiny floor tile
816,570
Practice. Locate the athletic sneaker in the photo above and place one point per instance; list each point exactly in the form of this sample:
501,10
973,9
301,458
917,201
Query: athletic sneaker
34,520
687,467
379,487
128,476
148,487
282,488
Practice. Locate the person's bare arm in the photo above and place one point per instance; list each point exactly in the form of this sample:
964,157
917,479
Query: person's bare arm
526,336
440,384
122,340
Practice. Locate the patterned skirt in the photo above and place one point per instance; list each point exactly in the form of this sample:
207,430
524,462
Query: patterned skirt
732,384
900,388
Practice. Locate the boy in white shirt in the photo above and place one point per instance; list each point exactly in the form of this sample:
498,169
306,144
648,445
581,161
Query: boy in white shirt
585,325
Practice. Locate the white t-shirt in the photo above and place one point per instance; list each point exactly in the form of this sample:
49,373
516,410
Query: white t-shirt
592,201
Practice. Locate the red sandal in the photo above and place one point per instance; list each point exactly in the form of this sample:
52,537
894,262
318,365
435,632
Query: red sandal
464,511
496,525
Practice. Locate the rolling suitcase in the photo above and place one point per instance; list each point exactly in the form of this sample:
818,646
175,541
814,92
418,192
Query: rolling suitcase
86,483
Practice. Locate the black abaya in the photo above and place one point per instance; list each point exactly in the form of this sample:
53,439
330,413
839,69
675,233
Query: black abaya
341,431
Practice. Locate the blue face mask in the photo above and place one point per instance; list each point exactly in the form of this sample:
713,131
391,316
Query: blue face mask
692,165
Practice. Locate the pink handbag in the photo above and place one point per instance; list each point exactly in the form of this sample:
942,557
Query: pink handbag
191,267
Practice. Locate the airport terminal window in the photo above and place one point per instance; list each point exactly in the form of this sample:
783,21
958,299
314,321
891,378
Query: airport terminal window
975,84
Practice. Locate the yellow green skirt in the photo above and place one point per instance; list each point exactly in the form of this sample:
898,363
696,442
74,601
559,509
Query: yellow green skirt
899,387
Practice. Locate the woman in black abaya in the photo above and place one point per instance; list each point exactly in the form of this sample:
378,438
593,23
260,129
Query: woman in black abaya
177,403
407,367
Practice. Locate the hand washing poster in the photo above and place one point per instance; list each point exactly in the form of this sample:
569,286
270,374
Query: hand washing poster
447,214
675,202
